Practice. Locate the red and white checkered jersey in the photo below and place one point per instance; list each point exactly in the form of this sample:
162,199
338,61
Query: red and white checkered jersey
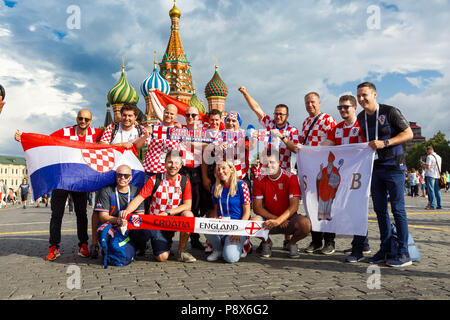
288,131
342,134
92,134
158,145
319,132
238,154
192,152
121,136
168,195
276,192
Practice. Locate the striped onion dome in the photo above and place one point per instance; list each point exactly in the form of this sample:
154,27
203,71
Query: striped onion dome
155,81
123,92
196,103
216,87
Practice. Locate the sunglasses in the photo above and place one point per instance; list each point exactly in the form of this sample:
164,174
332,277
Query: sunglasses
85,119
280,114
123,175
345,107
191,115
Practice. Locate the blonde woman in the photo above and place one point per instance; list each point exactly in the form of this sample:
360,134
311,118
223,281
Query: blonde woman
231,199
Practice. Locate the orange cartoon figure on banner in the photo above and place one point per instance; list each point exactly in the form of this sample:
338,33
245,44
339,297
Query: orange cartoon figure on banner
327,183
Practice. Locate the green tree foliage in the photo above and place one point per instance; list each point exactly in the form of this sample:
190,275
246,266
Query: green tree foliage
418,153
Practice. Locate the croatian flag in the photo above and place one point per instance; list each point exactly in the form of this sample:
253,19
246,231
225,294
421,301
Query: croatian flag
59,163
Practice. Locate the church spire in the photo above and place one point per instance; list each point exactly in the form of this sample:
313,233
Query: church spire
175,67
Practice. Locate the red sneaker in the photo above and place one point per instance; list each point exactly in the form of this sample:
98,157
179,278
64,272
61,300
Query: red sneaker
53,253
83,251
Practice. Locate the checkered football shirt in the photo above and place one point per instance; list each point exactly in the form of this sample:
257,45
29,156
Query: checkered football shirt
168,195
92,134
192,152
342,134
288,131
319,132
158,145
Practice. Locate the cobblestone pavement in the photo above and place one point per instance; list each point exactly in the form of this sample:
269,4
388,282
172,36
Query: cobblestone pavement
26,275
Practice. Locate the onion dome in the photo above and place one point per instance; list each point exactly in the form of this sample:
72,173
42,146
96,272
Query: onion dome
175,12
196,103
155,81
216,87
123,92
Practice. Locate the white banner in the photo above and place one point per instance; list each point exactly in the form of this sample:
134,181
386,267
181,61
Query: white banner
246,228
335,184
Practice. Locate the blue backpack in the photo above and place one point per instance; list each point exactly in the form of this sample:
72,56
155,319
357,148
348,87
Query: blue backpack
117,249
414,253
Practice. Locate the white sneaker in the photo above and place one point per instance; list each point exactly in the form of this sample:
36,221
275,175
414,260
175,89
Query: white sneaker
214,256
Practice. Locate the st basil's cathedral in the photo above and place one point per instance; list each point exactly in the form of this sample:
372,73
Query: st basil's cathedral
174,78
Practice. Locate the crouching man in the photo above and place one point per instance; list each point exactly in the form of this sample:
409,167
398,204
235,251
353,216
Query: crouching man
170,196
276,195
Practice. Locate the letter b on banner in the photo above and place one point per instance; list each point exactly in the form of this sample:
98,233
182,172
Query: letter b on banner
356,181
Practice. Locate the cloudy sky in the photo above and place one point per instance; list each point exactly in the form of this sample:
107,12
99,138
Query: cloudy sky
279,50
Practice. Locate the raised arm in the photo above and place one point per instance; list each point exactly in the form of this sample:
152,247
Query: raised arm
252,103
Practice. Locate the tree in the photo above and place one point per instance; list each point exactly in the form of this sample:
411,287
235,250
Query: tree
418,153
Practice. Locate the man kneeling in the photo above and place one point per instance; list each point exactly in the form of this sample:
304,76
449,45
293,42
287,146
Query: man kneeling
276,195
170,197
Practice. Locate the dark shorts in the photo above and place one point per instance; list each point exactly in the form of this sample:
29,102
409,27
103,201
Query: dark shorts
160,240
290,229
24,196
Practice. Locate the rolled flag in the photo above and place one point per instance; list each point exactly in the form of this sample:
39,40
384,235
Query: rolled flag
58,163
246,228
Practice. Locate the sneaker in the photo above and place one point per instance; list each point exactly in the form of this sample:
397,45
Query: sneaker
378,258
293,251
266,251
83,251
354,257
401,260
94,251
24,207
313,248
185,257
328,248
215,255
208,247
196,244
366,250
53,253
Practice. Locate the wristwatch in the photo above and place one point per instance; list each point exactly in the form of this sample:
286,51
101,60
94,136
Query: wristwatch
168,212
386,143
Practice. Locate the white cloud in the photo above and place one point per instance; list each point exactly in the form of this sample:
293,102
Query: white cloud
33,104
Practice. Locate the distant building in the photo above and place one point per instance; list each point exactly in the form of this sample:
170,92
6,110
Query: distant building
13,170
417,136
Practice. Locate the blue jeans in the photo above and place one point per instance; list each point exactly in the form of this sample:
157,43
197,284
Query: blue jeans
434,192
384,182
231,252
